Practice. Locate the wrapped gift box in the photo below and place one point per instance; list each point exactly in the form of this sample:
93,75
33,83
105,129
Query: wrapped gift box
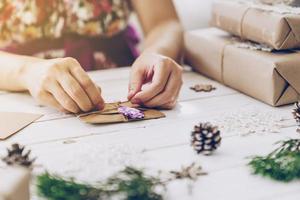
277,27
14,183
270,77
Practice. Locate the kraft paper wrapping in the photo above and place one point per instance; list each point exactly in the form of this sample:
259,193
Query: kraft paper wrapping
279,29
12,122
270,77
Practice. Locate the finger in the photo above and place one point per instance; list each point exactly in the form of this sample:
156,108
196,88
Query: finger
136,82
170,93
170,105
74,90
49,100
63,98
160,78
93,91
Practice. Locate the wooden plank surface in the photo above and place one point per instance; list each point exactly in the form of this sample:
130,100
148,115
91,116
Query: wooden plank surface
65,145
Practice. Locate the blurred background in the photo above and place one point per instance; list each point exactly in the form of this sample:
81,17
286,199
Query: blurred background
194,13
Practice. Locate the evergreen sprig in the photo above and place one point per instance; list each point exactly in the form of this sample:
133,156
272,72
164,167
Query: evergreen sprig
54,187
128,184
133,184
283,164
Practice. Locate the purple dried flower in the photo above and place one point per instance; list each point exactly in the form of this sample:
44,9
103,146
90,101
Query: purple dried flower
131,113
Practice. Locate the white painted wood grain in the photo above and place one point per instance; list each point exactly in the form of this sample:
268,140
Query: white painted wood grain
227,168
73,127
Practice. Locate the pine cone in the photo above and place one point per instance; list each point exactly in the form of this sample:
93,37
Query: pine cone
206,138
296,113
15,156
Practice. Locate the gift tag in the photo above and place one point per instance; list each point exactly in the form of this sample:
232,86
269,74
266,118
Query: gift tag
120,112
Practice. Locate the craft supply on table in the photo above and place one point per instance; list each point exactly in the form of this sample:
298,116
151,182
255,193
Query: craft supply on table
253,120
191,172
283,164
296,114
270,77
276,26
206,138
129,183
203,88
120,112
14,183
131,113
16,156
12,122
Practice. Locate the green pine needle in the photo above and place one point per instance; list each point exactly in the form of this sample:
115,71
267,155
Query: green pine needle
134,184
54,188
283,164
128,184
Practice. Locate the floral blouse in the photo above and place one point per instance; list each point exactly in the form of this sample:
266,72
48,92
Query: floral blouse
25,21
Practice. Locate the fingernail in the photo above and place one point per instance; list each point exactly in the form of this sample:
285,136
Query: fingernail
130,94
100,106
136,101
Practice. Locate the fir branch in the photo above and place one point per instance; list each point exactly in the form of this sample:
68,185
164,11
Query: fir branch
283,164
133,184
54,187
128,184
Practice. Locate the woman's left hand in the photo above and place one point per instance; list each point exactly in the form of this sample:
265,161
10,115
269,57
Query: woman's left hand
155,81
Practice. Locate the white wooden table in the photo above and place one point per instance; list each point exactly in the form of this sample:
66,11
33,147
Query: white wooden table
65,145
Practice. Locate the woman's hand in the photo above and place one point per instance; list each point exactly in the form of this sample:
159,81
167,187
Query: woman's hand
62,84
155,81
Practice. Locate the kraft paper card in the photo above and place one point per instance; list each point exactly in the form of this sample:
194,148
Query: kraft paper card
12,122
277,27
272,77
111,114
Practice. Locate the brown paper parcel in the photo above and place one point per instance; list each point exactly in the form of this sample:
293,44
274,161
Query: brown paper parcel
110,114
273,78
261,25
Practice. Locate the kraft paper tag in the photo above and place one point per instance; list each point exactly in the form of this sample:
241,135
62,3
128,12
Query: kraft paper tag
110,114
12,122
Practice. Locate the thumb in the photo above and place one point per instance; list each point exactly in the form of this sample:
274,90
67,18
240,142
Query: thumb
135,83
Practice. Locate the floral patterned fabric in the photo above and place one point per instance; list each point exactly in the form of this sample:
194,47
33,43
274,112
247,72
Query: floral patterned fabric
23,20
95,17
26,21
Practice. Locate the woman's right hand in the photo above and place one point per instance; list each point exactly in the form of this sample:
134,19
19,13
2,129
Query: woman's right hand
63,84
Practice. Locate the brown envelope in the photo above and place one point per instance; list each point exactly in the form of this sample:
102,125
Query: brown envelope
273,78
277,30
11,122
110,114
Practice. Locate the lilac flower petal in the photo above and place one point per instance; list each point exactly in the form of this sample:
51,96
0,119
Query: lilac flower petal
131,113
